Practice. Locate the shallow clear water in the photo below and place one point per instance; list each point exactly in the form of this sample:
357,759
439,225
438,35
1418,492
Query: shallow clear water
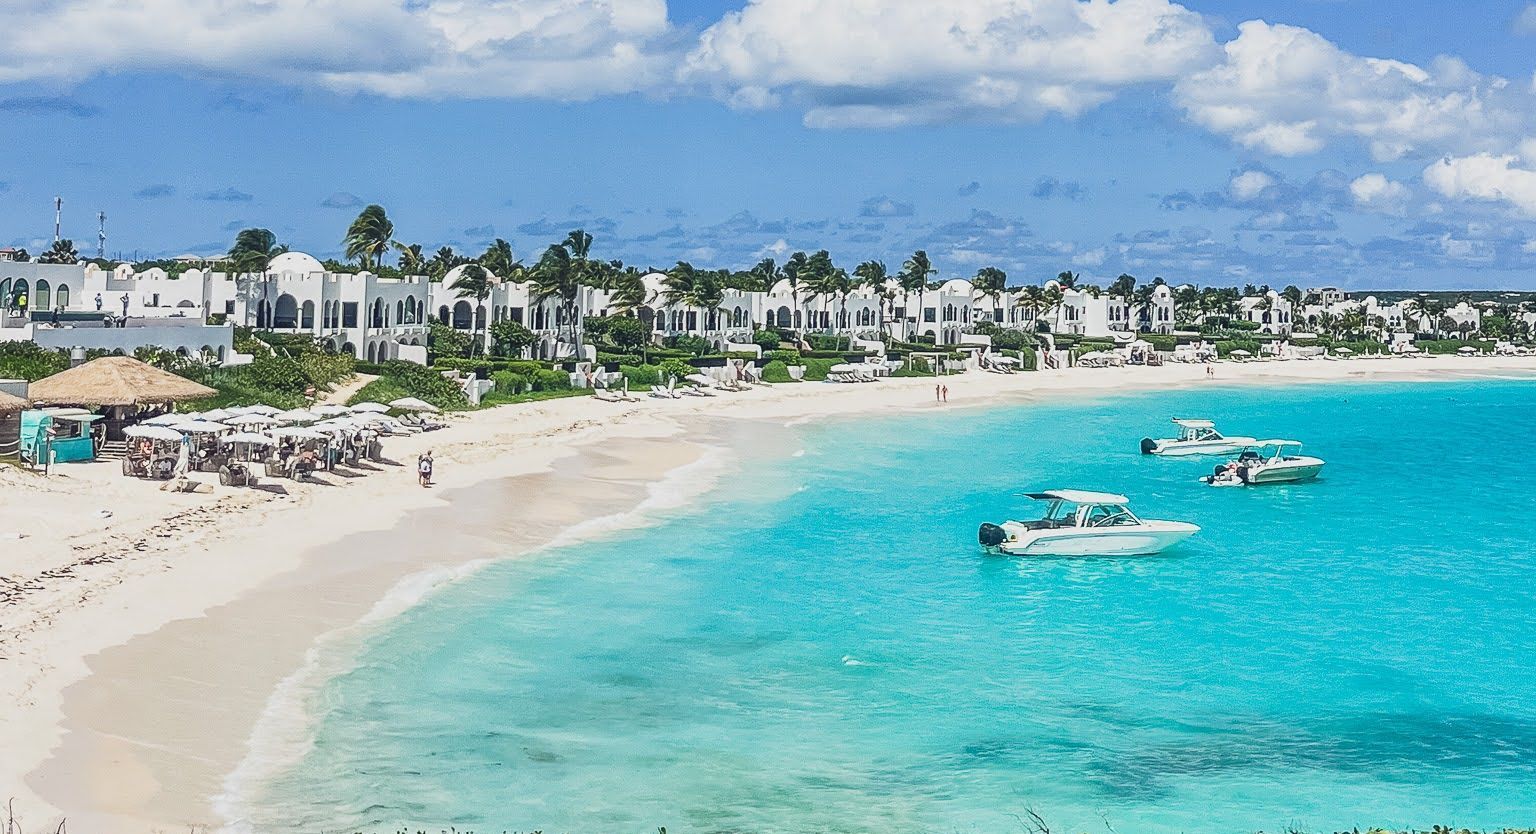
821,647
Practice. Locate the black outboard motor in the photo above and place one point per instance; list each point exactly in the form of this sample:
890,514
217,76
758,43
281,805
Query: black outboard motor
1217,472
991,535
1148,445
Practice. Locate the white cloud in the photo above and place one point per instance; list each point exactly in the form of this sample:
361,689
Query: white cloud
1250,184
1289,91
1375,191
1525,22
1486,177
885,64
466,48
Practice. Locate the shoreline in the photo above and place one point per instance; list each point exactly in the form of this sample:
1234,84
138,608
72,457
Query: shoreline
84,639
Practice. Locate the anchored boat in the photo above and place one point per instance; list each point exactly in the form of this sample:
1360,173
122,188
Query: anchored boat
1267,462
1081,523
1196,437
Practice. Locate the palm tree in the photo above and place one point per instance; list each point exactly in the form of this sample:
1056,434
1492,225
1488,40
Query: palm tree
443,261
1141,300
793,269
990,281
914,276
412,261
1067,279
818,278
873,275
1031,300
252,253
475,282
707,293
555,276
498,259
369,236
626,292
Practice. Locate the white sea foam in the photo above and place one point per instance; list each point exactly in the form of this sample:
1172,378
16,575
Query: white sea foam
284,732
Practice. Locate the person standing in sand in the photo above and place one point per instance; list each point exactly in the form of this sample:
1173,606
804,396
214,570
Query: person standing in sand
424,469
945,397
936,394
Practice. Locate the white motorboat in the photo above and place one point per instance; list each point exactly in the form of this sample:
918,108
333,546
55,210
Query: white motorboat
1196,437
1267,462
1079,523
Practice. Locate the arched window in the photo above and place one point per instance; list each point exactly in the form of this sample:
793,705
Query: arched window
307,315
783,317
400,311
463,316
44,299
376,319
286,316
373,354
480,317
61,296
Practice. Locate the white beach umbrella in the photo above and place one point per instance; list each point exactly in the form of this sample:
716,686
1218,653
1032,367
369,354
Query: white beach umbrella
199,427
248,437
217,415
246,421
166,420
148,432
370,408
296,415
413,404
329,410
299,433
262,409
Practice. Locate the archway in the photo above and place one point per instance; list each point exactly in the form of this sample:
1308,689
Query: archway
373,355
286,315
480,317
263,314
782,317
443,316
376,317
61,296
307,315
19,289
42,296
463,316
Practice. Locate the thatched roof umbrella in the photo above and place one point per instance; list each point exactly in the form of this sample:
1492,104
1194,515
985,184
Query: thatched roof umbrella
10,404
116,381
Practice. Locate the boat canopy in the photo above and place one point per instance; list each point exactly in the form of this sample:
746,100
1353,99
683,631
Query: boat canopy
1078,496
1195,424
1275,443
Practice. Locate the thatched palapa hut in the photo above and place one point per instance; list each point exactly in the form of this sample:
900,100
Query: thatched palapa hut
10,424
121,385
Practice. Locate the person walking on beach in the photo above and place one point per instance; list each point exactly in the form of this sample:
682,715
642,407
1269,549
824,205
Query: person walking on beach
424,469
946,394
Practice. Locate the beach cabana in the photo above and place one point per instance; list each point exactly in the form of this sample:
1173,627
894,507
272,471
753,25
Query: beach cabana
58,435
118,385
11,408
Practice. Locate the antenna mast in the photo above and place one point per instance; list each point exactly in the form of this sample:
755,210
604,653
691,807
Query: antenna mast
58,214
101,235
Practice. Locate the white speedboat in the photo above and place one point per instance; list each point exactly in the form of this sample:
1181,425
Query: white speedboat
1079,523
1267,462
1196,437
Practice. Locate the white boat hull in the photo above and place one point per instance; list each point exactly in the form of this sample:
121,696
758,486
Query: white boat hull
1285,472
1188,448
1144,539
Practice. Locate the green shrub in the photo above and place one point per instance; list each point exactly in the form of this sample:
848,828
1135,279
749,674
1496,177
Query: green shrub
673,368
786,357
29,361
689,345
768,340
776,371
639,376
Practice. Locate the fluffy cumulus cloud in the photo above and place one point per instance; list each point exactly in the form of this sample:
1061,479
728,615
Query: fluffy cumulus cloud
1289,91
472,48
872,63
1486,177
885,207
1375,191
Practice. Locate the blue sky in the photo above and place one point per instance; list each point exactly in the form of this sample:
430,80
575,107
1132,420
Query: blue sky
1365,144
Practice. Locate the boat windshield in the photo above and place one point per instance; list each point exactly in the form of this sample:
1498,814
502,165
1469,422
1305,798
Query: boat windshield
1106,515
1199,433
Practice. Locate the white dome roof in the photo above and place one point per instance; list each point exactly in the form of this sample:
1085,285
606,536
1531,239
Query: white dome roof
296,262
957,286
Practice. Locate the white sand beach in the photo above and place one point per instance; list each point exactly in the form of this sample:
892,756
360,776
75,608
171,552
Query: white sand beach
143,633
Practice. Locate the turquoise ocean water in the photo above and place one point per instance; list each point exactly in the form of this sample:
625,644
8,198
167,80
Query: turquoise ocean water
819,645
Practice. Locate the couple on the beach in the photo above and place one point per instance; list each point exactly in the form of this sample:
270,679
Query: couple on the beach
424,469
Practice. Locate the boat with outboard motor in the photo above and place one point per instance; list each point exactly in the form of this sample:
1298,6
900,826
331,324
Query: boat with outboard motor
1266,462
1082,523
1196,437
